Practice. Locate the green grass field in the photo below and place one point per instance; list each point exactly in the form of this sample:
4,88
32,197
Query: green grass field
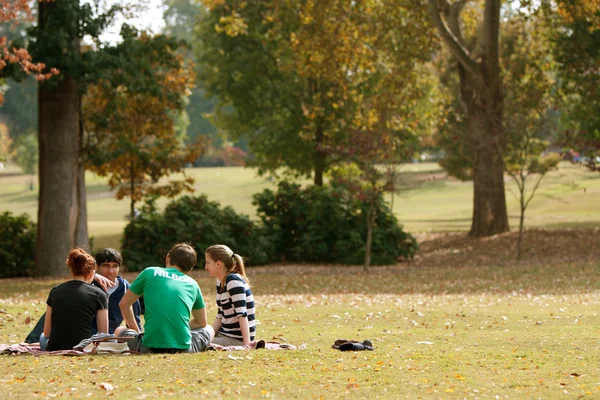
568,197
463,320
527,331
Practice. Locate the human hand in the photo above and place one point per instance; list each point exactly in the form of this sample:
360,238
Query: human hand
103,281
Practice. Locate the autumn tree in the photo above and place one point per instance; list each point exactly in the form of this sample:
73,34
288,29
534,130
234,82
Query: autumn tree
19,95
576,39
56,39
290,75
481,92
529,120
15,58
131,133
371,169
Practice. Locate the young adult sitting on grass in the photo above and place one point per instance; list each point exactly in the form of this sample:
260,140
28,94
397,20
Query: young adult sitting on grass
234,324
170,297
109,262
73,305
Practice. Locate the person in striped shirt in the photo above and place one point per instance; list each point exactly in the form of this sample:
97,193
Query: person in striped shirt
234,324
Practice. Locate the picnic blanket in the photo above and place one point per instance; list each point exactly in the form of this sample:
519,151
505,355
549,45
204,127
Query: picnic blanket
34,348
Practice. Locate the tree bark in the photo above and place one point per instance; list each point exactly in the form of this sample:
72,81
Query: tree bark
369,242
82,238
319,157
481,93
490,216
521,228
58,209
59,146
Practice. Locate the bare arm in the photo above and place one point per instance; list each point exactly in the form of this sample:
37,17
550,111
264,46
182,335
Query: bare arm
245,328
217,325
103,281
199,319
102,320
125,305
48,321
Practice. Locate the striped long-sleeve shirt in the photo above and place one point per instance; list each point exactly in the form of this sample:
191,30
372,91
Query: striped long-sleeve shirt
235,300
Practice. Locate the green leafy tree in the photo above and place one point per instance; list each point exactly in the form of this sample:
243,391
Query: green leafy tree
529,122
526,160
62,212
26,154
56,39
293,76
576,29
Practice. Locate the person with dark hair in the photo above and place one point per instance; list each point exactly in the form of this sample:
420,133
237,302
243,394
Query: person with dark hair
171,297
235,321
108,264
72,306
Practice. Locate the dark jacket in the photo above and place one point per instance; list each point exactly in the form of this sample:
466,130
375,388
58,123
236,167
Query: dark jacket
115,318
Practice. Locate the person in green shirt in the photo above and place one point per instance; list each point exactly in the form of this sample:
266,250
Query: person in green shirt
171,297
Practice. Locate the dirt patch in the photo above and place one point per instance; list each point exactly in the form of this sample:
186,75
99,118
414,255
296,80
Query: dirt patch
540,246
456,249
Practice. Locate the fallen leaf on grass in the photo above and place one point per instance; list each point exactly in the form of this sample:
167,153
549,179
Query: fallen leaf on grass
106,386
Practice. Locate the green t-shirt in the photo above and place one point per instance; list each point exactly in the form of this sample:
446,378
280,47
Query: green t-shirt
169,297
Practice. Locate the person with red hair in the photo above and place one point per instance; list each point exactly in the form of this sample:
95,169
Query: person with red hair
72,305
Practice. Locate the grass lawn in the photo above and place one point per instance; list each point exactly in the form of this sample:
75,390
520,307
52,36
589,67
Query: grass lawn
463,320
458,322
431,201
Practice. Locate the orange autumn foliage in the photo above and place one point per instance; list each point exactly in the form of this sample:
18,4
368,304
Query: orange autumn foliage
132,136
12,12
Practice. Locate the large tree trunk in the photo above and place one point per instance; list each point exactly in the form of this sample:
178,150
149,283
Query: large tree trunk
58,209
487,142
489,203
481,92
58,133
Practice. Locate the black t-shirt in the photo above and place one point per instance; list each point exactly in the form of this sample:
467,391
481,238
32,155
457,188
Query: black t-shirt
74,306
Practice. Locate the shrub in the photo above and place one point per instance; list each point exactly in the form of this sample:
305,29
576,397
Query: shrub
194,220
325,224
17,245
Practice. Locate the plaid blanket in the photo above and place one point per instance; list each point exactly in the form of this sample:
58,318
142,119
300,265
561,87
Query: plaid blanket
34,349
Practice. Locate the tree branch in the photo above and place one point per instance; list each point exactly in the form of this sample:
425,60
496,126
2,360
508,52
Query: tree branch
454,43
